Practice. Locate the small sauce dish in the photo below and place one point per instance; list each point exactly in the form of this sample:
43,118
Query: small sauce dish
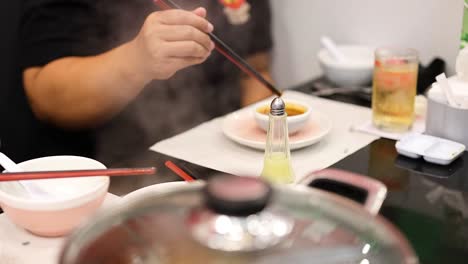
298,115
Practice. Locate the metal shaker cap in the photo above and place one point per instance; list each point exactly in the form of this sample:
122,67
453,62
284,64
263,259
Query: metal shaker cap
277,107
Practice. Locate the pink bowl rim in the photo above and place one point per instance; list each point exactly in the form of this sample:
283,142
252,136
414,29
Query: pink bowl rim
86,196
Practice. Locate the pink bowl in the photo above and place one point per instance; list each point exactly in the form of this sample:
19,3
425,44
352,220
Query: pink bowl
72,200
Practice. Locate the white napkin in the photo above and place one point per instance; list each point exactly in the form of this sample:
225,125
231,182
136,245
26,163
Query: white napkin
18,246
207,146
418,127
459,89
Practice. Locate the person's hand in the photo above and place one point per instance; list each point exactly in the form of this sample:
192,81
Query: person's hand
170,41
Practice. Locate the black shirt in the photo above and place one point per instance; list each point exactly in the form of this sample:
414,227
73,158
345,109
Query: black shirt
52,29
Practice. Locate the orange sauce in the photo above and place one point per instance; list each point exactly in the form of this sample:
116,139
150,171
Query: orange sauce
291,109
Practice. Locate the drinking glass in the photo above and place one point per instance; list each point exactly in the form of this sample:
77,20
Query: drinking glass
394,88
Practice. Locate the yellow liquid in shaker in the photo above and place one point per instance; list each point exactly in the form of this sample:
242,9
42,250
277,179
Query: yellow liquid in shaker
277,169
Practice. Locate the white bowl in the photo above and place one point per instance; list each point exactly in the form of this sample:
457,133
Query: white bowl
295,123
356,71
72,199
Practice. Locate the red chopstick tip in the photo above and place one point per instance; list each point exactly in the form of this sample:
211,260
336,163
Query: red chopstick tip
174,168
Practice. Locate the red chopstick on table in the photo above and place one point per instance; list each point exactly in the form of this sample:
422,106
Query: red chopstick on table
226,51
181,173
39,175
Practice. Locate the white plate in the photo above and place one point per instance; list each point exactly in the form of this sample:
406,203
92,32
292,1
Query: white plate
160,188
38,249
242,128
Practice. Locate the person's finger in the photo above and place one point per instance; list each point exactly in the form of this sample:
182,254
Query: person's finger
186,33
185,49
181,63
181,17
201,12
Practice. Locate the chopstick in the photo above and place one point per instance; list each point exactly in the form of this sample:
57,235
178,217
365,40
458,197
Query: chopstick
181,173
39,175
227,52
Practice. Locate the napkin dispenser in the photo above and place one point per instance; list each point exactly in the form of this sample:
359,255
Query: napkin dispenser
444,120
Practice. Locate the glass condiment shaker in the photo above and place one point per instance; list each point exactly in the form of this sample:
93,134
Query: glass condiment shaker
277,162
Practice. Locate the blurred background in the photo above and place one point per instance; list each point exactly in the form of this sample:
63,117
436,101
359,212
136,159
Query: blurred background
9,16
433,27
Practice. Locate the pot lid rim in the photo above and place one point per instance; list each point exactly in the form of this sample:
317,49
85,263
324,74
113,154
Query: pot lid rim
114,212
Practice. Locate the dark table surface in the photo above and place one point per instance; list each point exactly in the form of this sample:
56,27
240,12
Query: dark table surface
428,203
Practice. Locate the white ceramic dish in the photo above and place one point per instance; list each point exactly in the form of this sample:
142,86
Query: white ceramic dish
356,71
295,123
242,128
432,149
71,200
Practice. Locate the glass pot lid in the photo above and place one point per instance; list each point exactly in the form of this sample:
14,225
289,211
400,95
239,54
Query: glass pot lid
238,220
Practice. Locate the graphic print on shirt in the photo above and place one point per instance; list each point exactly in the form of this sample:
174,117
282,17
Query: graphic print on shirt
237,11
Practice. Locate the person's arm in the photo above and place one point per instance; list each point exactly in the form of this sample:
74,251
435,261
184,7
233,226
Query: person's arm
251,89
260,45
77,92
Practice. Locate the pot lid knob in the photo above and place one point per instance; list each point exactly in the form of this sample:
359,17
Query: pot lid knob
235,217
237,196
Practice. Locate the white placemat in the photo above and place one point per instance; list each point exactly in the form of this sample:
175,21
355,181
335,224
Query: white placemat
18,246
207,146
